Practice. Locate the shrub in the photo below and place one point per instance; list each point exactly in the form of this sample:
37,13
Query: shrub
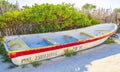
109,41
118,31
69,52
119,19
3,52
44,18
93,20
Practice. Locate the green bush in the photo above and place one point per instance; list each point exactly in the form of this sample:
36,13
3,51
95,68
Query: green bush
3,53
118,30
44,18
109,41
93,20
69,52
119,19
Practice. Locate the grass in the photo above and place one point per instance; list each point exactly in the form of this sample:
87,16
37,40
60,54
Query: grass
69,52
24,66
109,40
3,53
34,64
47,59
118,31
12,66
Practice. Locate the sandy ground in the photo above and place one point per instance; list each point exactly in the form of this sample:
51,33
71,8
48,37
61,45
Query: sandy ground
103,58
108,64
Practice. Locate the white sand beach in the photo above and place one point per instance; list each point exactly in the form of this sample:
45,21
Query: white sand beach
103,58
108,64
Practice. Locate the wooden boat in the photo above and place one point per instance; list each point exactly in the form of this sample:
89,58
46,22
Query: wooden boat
23,49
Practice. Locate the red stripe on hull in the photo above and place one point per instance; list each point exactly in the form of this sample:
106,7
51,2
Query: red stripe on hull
40,50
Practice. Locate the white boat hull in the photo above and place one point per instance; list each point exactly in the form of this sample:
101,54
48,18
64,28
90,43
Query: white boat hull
51,54
24,54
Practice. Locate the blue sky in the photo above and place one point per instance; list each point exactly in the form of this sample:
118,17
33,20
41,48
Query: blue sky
78,3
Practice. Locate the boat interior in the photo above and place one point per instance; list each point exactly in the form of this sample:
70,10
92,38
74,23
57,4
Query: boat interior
24,42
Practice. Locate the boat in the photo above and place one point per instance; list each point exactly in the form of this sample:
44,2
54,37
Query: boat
23,49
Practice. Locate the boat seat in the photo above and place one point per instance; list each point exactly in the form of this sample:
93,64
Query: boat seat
104,31
86,34
50,41
101,32
68,36
17,44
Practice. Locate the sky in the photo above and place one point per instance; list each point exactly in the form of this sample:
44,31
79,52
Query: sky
78,3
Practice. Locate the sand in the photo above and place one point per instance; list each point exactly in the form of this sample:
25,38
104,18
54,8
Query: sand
108,64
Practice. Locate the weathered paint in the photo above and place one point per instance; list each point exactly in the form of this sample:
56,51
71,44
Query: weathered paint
37,54
29,56
51,48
